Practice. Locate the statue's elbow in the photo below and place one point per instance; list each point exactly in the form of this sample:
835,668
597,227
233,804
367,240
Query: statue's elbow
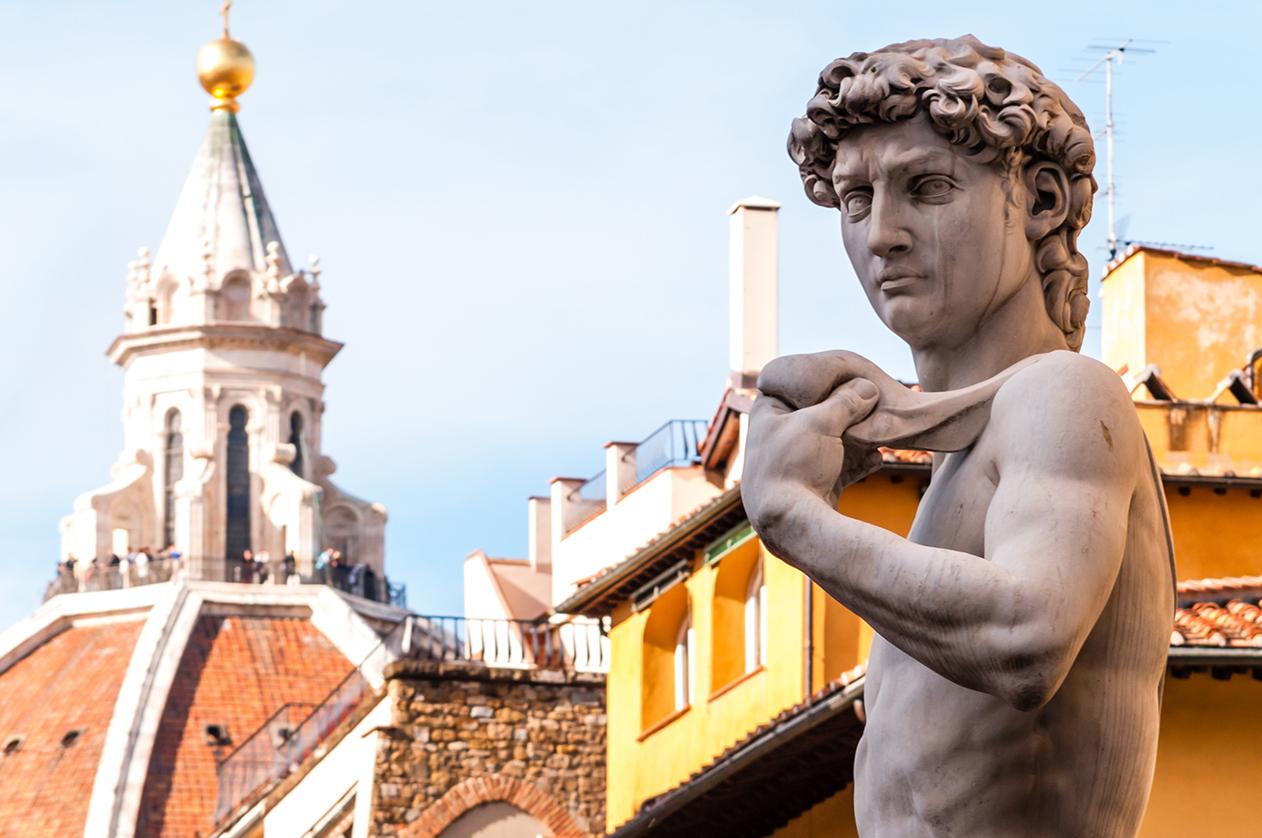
1030,678
1028,694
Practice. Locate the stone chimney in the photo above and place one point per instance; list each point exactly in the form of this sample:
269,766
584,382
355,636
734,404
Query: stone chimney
753,288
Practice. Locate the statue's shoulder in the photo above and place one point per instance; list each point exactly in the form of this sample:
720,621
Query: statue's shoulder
1067,393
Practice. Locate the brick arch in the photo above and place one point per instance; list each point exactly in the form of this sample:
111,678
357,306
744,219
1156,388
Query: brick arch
492,788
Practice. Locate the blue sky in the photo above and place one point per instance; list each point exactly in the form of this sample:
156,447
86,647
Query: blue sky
520,212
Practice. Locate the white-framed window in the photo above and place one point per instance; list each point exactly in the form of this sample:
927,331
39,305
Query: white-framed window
756,620
684,678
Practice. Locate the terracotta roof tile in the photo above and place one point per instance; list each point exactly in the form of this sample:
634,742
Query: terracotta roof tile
906,455
236,671
1219,612
68,683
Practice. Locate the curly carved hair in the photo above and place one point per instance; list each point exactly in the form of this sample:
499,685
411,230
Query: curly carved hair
996,106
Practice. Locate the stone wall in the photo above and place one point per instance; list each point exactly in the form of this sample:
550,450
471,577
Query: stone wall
463,734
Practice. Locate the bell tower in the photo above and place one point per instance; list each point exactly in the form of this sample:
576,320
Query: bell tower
223,353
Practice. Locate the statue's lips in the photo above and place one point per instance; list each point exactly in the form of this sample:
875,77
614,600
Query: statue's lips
896,281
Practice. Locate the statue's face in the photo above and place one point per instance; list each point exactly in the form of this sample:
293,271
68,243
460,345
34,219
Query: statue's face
938,240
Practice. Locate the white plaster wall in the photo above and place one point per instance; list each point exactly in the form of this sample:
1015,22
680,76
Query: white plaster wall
639,516
482,598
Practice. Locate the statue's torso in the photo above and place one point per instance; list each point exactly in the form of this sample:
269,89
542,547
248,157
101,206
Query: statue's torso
940,759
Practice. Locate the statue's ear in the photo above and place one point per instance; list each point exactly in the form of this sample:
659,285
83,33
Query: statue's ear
1047,198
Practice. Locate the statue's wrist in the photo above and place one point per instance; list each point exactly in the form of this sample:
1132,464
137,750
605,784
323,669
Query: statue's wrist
790,513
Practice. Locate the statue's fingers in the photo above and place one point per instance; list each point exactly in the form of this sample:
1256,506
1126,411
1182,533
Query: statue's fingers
805,380
766,408
782,378
845,406
769,404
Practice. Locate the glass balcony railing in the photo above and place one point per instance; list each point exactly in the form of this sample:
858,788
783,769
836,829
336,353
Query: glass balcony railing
592,491
674,444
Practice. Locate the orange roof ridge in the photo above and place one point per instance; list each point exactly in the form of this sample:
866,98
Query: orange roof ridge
1219,584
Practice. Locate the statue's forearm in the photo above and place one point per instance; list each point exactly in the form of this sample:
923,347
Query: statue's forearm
956,613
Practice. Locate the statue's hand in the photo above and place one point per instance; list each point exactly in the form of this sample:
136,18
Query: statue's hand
806,380
794,456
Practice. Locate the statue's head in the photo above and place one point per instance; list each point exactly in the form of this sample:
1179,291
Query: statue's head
961,173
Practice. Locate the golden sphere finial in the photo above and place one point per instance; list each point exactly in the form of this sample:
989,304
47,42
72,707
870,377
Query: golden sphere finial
225,67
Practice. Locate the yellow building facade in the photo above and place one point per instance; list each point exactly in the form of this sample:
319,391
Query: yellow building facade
735,690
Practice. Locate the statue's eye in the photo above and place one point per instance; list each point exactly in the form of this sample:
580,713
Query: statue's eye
857,201
933,187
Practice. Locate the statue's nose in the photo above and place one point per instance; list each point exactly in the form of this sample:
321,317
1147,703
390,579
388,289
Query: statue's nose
887,234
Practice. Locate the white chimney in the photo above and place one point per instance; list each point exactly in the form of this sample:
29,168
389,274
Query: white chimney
540,529
753,288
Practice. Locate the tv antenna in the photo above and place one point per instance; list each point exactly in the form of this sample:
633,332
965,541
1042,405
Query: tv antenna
1125,241
1113,54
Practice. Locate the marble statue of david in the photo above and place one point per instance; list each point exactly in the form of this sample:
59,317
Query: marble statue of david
1014,686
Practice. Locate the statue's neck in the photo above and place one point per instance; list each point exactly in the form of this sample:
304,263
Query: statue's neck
1014,331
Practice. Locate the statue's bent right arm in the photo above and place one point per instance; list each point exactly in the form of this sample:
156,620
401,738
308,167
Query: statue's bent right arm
1009,623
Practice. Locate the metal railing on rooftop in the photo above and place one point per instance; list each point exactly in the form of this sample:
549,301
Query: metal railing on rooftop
593,490
674,444
283,742
131,574
359,580
295,732
110,577
261,758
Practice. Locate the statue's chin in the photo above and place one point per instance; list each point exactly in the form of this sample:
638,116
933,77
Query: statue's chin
911,320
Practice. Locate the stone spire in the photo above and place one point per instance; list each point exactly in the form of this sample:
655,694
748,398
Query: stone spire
222,213
223,358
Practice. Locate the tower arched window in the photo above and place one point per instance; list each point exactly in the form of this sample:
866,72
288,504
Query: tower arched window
234,298
166,304
237,535
296,307
295,439
173,471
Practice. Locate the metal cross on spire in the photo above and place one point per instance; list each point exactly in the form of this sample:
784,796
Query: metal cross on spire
223,12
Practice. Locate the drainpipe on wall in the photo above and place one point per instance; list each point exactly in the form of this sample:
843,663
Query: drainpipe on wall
808,677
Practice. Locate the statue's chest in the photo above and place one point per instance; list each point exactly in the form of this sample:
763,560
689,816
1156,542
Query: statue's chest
952,514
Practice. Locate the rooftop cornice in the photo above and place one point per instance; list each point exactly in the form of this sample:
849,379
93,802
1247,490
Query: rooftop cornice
1136,249
285,338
